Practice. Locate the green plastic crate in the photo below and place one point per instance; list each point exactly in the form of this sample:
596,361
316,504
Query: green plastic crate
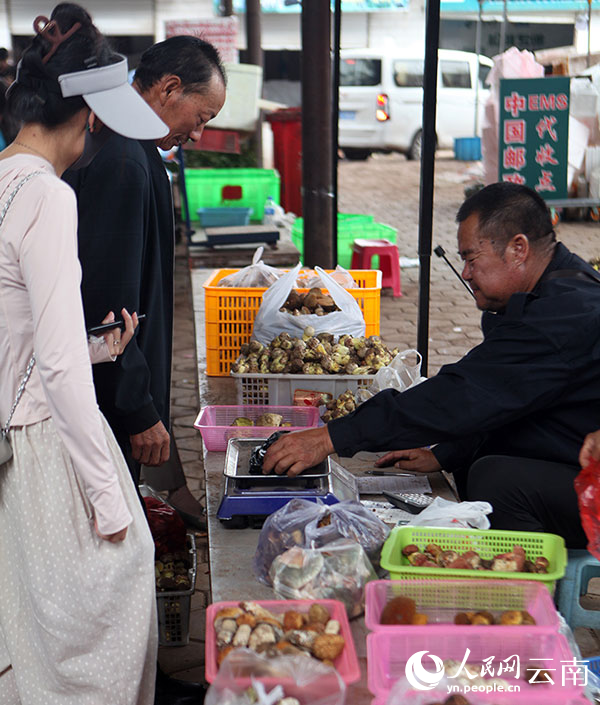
205,189
487,543
350,228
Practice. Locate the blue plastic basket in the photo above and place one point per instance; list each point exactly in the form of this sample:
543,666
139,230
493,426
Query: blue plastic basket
217,217
467,149
594,665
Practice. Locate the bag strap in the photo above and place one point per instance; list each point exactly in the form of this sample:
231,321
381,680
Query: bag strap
31,363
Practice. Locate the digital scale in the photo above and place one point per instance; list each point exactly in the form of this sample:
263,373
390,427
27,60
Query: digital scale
249,499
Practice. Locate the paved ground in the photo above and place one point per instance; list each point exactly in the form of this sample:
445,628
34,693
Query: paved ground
388,187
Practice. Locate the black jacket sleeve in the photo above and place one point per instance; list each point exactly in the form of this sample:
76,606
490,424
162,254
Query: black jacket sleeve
514,372
113,200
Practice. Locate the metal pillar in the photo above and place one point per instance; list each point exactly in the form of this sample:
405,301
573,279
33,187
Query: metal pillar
477,51
255,56
432,38
589,37
503,28
317,198
337,34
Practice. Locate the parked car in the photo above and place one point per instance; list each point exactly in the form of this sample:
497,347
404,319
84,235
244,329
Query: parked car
381,100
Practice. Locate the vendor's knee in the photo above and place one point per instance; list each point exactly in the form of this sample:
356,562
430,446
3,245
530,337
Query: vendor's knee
491,477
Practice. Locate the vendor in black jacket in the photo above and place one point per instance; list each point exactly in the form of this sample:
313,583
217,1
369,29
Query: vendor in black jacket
510,417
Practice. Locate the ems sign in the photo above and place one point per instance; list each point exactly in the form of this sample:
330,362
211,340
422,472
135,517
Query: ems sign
533,134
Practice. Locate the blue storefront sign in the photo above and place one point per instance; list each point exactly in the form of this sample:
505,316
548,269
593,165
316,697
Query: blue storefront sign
516,6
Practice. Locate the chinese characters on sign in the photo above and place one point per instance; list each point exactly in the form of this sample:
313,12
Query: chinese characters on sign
534,133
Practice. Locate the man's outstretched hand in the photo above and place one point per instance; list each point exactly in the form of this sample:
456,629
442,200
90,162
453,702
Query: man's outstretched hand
298,451
590,450
414,459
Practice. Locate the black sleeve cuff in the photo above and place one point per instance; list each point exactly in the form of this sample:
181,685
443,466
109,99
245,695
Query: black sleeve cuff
141,420
457,455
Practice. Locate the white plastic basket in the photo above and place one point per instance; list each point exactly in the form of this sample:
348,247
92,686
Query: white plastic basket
256,388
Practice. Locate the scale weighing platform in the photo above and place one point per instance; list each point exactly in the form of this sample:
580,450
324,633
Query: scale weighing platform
249,499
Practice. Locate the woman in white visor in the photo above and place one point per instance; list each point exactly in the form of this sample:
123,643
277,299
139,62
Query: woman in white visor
77,599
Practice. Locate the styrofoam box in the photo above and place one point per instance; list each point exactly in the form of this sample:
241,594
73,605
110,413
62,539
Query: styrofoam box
256,388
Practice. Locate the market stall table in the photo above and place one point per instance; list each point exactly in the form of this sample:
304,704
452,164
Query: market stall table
231,552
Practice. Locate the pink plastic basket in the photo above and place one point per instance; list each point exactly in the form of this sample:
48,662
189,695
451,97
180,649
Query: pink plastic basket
440,600
388,653
346,663
214,422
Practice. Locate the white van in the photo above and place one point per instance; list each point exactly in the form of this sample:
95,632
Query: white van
381,100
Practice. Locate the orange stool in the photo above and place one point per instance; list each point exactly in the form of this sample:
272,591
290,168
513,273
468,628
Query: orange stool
389,261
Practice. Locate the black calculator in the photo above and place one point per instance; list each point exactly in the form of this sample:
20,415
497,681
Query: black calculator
409,501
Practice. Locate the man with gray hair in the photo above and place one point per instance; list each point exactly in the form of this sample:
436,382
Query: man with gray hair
126,248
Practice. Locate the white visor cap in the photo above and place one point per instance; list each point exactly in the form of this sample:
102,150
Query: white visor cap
114,101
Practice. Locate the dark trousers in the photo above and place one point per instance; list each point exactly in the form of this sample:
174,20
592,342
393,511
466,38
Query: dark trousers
527,495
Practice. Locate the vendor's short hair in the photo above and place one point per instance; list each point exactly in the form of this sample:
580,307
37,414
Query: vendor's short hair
504,210
190,58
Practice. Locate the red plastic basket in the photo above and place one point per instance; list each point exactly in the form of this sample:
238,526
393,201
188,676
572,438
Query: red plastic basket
346,663
440,600
388,653
214,422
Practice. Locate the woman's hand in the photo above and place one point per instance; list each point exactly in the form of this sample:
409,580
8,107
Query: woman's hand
117,339
113,538
415,459
590,450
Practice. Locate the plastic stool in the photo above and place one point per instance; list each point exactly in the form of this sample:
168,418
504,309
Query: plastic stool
389,261
581,568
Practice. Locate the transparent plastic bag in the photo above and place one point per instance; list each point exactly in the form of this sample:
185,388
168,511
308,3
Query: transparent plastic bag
270,321
309,278
403,372
282,530
441,512
257,274
306,679
308,524
350,520
338,571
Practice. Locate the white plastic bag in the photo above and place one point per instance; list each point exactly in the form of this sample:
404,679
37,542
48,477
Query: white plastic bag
441,512
403,372
270,321
257,274
308,680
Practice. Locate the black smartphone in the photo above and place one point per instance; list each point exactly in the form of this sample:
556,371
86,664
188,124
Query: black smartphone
104,327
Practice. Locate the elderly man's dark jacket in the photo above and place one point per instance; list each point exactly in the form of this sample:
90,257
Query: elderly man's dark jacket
530,389
126,248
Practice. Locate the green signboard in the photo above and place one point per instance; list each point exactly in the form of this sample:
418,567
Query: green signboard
533,133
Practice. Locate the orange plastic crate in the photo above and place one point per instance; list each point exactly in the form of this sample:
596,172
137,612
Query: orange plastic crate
230,312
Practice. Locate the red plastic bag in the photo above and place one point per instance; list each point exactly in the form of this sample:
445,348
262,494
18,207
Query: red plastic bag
167,527
587,486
